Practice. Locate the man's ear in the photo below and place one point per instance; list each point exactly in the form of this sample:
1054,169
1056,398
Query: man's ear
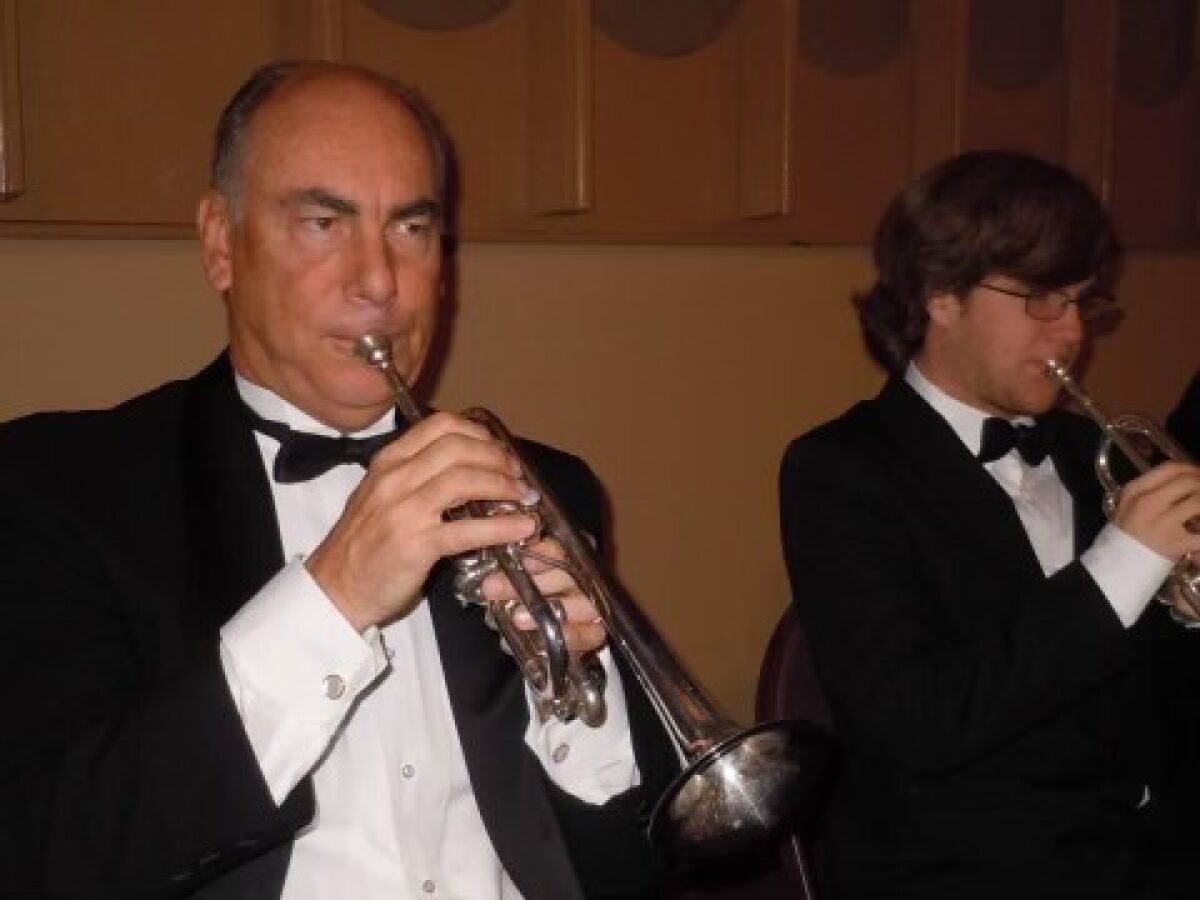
943,307
214,226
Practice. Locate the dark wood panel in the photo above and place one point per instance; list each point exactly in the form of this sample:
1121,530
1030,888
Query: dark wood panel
476,78
12,162
854,116
777,121
560,107
1091,35
119,98
1155,184
766,103
1016,93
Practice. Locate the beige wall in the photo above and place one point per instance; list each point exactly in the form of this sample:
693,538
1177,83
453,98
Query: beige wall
678,372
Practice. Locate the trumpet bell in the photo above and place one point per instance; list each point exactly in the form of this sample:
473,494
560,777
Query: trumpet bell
741,792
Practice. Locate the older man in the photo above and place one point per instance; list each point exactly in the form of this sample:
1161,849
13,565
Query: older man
234,673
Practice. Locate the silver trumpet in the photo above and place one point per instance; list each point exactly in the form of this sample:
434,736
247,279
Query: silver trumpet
1123,432
739,786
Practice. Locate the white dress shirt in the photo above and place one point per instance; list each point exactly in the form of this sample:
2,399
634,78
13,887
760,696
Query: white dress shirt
369,717
1127,571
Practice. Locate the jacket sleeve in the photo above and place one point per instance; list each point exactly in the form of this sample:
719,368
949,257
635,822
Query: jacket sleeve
121,773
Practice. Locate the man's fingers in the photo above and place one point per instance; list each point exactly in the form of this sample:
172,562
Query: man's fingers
1161,474
1175,597
465,535
431,429
1167,484
585,637
444,453
551,582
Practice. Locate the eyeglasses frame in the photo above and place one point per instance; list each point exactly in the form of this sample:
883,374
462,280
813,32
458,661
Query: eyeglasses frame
1089,305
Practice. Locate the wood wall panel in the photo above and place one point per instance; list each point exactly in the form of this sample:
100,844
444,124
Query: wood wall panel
766,108
665,154
1155,188
1091,36
777,121
1033,120
12,147
1156,151
939,79
476,79
1016,93
854,123
978,87
119,98
559,149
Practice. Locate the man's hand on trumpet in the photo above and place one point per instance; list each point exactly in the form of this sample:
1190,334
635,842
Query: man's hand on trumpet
1158,508
1182,610
374,562
1161,509
583,628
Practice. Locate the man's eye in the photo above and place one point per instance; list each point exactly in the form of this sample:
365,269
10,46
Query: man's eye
1048,298
320,224
417,227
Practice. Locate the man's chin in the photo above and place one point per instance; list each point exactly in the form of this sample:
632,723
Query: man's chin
1040,403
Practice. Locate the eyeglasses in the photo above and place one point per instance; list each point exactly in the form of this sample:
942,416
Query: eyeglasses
1050,306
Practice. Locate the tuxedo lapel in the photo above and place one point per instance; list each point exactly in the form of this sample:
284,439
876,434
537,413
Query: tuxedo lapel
232,534
944,475
487,696
232,549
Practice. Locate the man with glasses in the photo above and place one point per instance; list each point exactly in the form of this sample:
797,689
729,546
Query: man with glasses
986,639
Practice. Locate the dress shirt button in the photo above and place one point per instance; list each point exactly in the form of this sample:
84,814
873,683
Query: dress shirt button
335,686
428,886
409,770
560,753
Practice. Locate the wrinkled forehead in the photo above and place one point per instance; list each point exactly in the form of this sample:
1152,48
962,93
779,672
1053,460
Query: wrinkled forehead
338,126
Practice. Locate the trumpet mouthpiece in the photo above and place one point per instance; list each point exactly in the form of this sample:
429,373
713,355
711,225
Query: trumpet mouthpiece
1059,372
373,349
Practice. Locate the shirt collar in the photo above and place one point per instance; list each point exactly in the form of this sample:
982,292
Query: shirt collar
966,420
270,405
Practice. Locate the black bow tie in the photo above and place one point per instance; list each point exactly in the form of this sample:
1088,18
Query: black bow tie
303,456
1001,436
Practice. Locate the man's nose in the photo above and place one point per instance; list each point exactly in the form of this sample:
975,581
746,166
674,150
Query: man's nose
1070,324
374,273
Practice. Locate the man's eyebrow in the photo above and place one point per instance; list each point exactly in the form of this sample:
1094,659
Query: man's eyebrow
423,207
316,196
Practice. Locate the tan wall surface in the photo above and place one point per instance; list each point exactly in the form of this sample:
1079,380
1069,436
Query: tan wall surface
678,372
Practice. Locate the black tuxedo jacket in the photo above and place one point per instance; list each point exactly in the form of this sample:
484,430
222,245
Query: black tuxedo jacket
127,538
998,727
